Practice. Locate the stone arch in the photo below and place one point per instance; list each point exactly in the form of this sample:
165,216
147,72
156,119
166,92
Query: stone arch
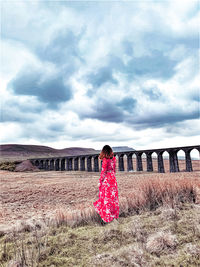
96,163
165,156
121,166
195,159
76,163
160,161
149,161
134,160
140,160
173,160
63,164
46,166
67,163
82,163
117,161
70,164
154,156
125,158
41,165
51,164
130,167
37,163
89,163
181,159
57,164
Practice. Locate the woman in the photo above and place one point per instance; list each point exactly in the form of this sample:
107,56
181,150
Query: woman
107,206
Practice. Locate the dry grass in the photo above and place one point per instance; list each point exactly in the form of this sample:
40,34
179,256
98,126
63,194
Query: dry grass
70,234
149,195
26,253
50,200
160,241
132,255
192,249
139,240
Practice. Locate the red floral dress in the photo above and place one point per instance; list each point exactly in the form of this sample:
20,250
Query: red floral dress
108,203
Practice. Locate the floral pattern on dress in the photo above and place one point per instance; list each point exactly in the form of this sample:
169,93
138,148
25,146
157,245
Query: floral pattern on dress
108,203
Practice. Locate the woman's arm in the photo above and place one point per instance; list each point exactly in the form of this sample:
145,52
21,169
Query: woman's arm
103,170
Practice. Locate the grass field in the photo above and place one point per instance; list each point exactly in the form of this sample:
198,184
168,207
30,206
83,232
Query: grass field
164,237
48,219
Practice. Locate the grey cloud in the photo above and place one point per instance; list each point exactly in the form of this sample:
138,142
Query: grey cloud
12,115
153,93
102,76
63,52
157,65
57,127
14,111
51,90
44,132
127,103
161,119
105,111
62,49
195,95
177,129
165,41
127,47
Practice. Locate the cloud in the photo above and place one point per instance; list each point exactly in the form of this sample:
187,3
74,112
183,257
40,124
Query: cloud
62,48
157,65
153,93
102,76
185,128
50,90
128,104
15,110
89,72
105,111
158,120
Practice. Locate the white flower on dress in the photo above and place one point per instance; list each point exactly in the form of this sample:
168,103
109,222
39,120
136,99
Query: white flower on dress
113,193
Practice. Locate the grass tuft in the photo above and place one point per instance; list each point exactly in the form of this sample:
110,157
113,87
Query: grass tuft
160,242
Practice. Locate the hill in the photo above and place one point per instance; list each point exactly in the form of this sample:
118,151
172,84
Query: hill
21,152
122,148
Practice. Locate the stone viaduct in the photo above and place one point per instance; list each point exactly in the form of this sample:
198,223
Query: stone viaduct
76,163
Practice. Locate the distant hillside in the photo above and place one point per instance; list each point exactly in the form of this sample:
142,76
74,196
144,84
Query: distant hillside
122,148
20,152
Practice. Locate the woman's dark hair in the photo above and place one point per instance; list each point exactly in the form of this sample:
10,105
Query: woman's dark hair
106,152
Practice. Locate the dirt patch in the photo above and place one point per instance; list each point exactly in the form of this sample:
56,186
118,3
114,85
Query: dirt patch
26,165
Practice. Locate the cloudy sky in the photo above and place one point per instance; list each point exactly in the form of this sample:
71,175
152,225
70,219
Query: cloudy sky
90,73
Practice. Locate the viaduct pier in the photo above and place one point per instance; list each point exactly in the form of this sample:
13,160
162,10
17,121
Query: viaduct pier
91,162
